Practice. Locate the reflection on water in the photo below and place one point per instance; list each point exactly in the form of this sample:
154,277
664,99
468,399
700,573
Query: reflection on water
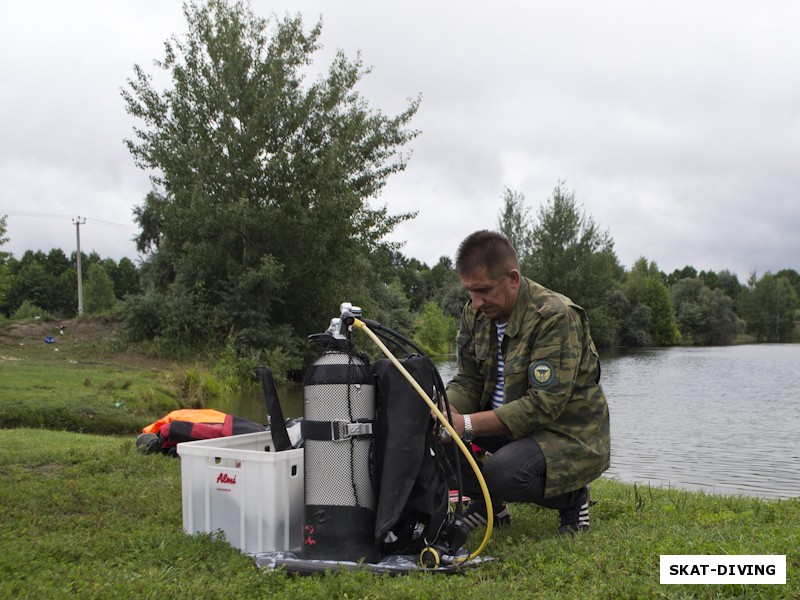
723,420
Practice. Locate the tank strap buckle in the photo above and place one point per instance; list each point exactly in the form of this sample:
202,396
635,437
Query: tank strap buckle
344,430
334,430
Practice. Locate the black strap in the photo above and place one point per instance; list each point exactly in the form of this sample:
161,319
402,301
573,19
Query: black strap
280,438
335,430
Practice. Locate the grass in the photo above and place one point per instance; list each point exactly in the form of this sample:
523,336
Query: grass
88,516
84,515
87,382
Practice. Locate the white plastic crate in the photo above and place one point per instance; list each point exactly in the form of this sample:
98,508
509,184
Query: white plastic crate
241,485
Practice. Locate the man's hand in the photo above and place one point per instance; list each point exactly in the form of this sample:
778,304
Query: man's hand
457,423
484,423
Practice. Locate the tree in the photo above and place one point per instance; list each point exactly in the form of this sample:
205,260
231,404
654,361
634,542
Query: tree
4,279
722,324
685,295
705,316
98,291
570,254
388,304
65,303
793,277
57,262
3,236
663,330
608,321
768,306
259,213
445,288
514,222
687,272
31,257
125,278
34,284
727,282
434,331
645,285
635,329
422,284
411,275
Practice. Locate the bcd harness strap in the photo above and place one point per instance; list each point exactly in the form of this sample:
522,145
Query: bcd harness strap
335,430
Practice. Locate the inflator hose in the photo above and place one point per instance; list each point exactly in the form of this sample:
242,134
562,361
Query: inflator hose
443,420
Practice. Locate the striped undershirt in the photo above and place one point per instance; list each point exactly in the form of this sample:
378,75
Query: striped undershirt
497,395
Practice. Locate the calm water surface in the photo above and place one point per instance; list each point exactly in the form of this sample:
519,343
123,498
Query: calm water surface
724,420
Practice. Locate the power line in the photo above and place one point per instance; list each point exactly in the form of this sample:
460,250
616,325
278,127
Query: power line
111,224
22,213
40,215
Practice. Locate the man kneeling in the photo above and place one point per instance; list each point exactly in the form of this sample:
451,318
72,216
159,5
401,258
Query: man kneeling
527,389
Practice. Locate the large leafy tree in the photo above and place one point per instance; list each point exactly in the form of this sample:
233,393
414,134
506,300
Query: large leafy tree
260,211
570,254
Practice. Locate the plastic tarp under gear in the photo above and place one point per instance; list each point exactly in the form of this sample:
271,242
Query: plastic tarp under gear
397,564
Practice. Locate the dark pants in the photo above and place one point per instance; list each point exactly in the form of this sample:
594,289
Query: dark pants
515,472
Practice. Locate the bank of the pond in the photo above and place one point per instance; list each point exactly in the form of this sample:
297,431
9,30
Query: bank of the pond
94,396
85,381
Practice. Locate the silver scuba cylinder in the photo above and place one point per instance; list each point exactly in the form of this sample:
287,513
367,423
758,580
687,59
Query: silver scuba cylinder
340,483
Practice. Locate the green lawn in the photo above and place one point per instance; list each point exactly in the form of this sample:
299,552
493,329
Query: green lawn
87,516
83,382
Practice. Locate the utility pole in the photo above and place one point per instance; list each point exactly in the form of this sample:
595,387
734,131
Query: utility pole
78,222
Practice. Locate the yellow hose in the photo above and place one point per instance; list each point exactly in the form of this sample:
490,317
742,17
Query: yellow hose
443,420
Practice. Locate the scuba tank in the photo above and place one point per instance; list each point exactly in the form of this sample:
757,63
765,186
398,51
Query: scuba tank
338,417
359,418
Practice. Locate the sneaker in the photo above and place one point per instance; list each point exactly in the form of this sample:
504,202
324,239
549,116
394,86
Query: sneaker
475,515
576,518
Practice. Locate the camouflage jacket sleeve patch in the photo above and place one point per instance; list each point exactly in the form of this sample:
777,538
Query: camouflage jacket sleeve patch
542,374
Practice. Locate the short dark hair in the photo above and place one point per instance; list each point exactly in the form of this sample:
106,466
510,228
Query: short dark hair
488,249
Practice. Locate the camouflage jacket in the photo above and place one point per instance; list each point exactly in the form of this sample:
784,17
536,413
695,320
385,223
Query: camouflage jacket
552,383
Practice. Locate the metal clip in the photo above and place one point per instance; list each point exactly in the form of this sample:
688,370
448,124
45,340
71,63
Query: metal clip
359,428
344,430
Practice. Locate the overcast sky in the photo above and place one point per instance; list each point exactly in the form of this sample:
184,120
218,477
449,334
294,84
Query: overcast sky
677,124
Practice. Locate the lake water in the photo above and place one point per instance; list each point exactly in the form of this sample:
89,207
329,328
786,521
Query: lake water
724,420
